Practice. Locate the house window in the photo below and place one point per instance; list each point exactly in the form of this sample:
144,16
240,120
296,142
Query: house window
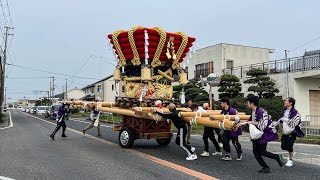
99,90
204,69
229,64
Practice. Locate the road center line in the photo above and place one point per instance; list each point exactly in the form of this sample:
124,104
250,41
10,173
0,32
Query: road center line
145,156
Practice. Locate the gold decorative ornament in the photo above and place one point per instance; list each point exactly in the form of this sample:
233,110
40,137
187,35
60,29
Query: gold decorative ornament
183,45
136,59
183,80
117,75
146,74
122,59
156,61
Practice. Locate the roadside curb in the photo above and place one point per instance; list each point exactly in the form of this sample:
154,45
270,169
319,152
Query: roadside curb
9,119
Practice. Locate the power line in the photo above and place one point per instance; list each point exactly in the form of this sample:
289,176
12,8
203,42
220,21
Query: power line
11,22
305,44
29,78
4,15
50,72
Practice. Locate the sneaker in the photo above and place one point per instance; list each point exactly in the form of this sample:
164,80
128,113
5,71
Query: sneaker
188,143
192,157
239,158
99,135
193,149
205,154
227,158
220,145
217,153
83,132
289,163
63,135
280,160
264,170
52,137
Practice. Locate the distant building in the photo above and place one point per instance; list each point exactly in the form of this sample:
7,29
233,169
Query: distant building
72,95
101,90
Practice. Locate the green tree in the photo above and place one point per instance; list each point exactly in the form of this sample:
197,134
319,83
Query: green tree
193,92
43,102
262,84
230,86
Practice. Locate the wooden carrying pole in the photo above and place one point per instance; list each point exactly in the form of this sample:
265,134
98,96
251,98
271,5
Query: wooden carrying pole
227,125
128,112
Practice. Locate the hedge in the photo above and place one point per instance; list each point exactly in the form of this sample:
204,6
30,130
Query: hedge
274,106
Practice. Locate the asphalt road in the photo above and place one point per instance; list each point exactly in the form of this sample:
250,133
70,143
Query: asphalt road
28,153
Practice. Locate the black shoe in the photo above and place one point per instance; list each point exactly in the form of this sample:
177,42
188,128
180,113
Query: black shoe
280,160
63,135
264,170
188,143
52,137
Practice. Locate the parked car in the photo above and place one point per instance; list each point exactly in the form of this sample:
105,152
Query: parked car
27,109
48,112
41,110
31,110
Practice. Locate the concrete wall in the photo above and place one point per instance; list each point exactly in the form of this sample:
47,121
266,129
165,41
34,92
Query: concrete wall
75,94
243,55
301,93
108,90
204,55
221,53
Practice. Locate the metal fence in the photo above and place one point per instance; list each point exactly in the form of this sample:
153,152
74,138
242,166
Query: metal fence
312,125
302,63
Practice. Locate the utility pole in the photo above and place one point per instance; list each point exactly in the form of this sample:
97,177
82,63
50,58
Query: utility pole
3,65
5,96
287,74
52,90
50,95
66,90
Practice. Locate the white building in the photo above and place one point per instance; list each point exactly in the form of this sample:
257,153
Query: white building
217,58
101,90
75,94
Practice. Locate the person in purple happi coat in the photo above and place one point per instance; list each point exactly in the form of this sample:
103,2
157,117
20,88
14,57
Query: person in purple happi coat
261,119
230,135
293,118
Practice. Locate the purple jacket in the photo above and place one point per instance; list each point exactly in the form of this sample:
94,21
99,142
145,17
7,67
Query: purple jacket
232,111
295,121
264,123
61,112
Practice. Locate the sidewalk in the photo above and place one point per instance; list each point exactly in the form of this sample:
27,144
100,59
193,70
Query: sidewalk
6,121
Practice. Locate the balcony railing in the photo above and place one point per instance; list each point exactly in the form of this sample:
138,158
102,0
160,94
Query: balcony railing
303,63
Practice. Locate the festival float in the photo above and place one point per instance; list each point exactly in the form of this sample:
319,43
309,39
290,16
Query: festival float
148,62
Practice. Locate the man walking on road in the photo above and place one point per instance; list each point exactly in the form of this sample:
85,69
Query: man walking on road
292,119
230,135
60,122
261,120
207,134
180,124
94,116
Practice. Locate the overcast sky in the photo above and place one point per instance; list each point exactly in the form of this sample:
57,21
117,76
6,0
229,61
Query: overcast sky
62,35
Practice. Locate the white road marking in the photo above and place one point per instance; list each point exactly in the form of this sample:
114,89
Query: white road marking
5,178
88,122
10,124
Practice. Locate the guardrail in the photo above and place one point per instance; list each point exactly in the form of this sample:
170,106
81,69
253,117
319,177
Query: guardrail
295,64
312,125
